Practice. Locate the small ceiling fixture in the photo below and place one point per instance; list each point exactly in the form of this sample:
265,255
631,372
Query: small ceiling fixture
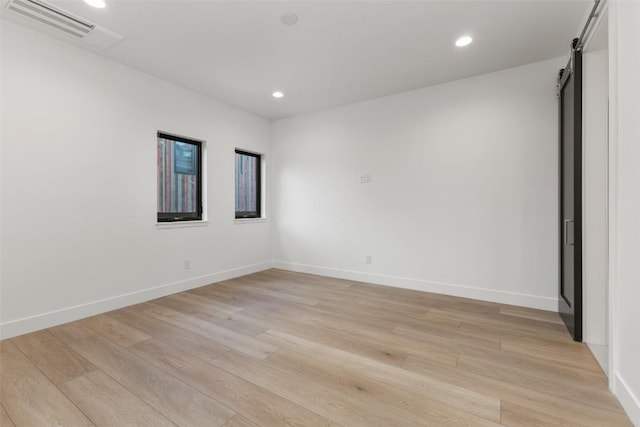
288,18
463,41
96,3
277,94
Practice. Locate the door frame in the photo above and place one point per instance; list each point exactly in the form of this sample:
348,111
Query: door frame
595,285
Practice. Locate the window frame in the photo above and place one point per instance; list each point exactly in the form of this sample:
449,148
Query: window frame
165,217
258,173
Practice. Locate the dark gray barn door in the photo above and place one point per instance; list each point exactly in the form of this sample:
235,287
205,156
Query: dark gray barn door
570,289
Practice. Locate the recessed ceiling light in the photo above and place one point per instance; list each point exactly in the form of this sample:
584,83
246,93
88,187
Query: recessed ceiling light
289,18
277,94
96,3
462,41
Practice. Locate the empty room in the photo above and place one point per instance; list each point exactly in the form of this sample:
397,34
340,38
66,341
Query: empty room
319,213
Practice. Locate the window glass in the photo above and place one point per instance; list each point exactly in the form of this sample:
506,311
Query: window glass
247,184
179,179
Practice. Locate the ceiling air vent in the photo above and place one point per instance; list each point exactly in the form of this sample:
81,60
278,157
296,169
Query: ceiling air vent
65,22
52,17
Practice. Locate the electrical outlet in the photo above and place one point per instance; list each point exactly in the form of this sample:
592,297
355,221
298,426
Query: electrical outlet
187,264
367,259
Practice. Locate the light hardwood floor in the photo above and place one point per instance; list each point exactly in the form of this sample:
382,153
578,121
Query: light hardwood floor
281,348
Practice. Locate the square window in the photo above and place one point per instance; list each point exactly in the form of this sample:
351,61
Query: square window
248,199
179,179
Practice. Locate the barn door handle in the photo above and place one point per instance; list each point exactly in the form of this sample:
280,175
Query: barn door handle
566,231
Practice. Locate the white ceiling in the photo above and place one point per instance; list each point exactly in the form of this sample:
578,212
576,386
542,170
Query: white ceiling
339,52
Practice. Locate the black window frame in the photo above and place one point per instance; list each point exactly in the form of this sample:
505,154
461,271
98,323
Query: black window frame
258,173
185,216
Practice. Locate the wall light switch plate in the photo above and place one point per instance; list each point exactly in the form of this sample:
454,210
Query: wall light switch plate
365,179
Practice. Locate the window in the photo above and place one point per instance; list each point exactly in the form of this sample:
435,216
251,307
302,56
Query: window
179,179
247,184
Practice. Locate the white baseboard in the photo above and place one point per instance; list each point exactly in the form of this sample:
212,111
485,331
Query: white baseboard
628,399
46,320
601,354
531,301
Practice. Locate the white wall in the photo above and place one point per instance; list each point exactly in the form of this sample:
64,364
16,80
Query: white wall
79,185
464,191
624,137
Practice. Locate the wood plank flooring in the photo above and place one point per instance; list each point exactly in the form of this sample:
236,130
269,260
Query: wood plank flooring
278,348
